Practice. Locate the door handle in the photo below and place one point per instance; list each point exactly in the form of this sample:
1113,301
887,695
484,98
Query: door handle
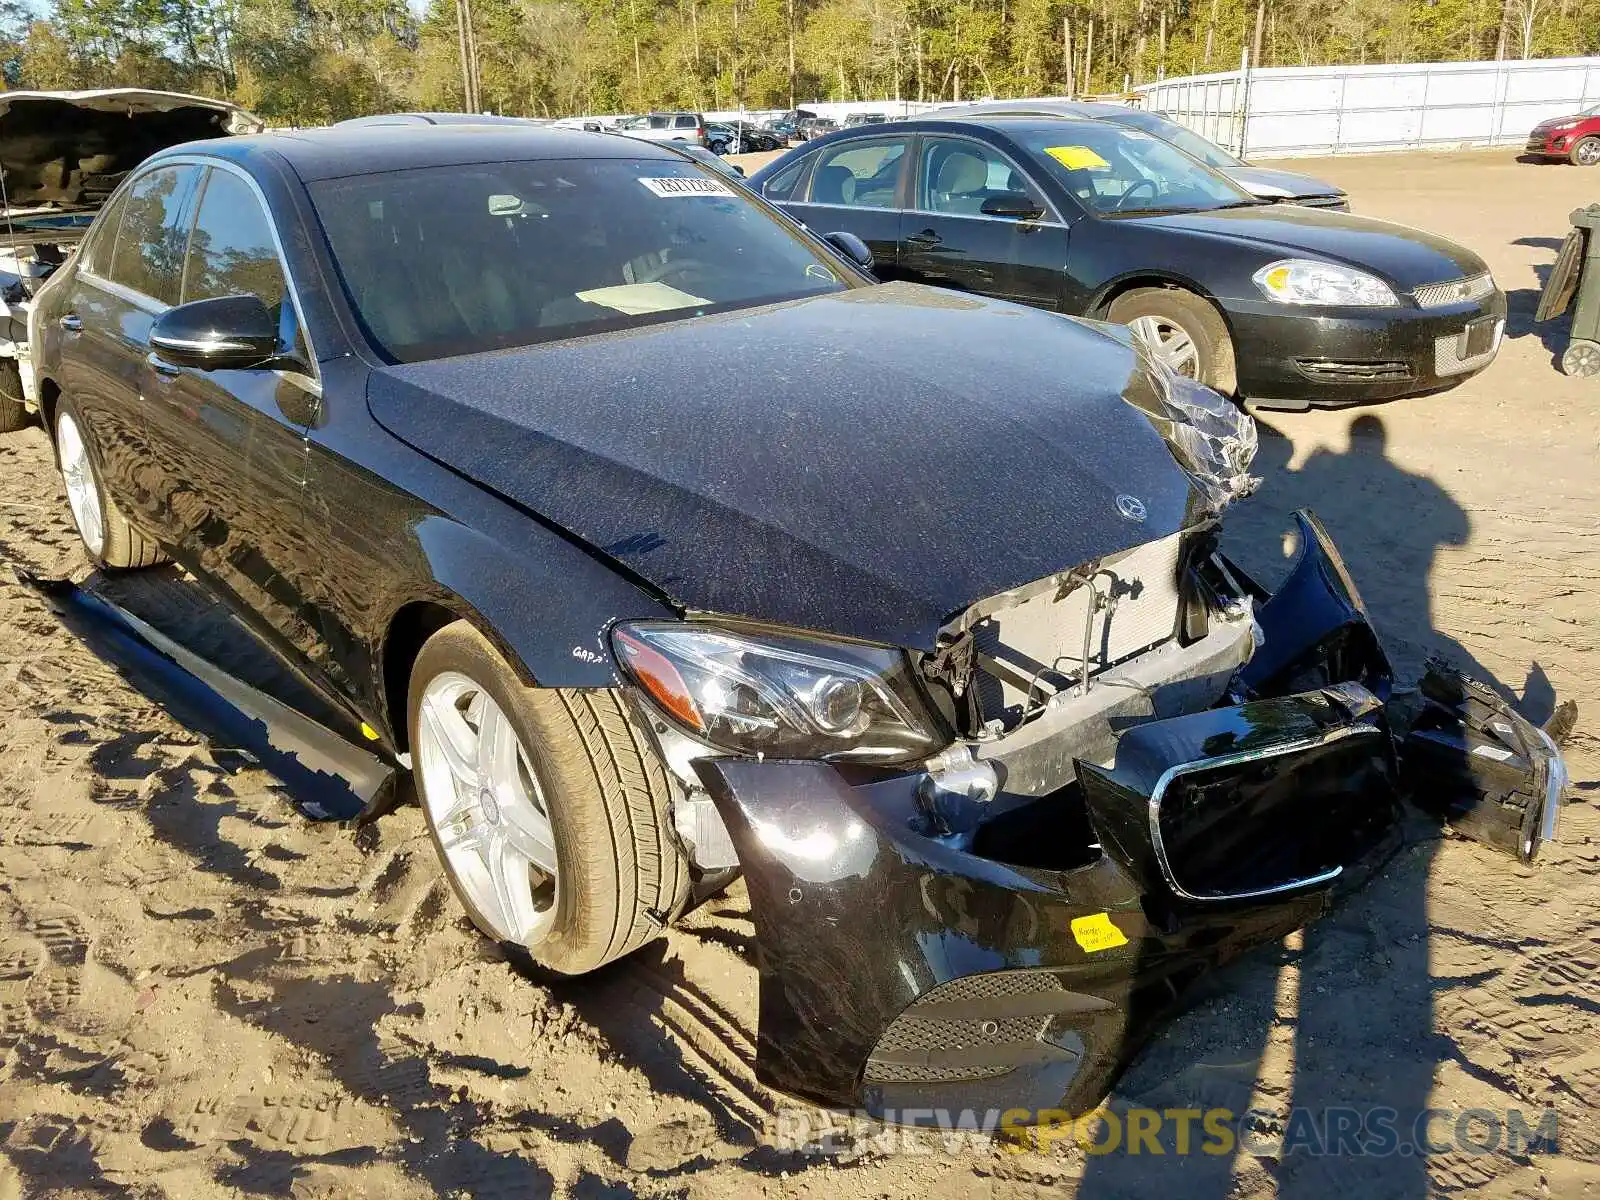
926,238
71,322
160,366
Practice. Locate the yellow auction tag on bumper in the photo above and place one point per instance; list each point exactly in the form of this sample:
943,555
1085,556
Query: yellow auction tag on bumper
1096,932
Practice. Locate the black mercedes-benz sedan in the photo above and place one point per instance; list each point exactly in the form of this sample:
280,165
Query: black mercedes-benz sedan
659,542
1281,304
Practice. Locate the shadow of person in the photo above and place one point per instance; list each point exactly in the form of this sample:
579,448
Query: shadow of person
1330,1035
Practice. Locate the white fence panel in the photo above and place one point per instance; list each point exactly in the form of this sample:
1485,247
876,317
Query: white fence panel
1338,110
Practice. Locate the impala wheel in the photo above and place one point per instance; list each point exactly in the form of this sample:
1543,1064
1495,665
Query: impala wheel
1183,330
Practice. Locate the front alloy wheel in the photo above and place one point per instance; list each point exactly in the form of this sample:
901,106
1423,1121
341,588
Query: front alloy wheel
488,810
548,807
1586,151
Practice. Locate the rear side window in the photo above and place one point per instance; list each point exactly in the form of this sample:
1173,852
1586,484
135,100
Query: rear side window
102,240
859,174
781,185
687,123
150,241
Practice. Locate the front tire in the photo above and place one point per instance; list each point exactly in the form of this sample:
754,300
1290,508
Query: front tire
548,807
1185,331
106,535
1585,152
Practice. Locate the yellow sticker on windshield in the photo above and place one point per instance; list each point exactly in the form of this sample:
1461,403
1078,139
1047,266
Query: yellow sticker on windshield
1077,158
1096,932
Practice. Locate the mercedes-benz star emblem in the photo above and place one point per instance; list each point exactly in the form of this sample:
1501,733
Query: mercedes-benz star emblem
1131,507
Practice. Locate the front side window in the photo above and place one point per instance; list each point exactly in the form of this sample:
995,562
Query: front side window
958,175
1114,171
150,241
859,174
439,261
231,251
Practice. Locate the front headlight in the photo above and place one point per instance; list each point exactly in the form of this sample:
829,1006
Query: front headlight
781,695
1305,281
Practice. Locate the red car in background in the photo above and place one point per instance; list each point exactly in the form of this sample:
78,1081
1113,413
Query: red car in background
1575,138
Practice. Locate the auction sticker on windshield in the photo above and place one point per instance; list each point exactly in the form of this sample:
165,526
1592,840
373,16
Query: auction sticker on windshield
686,185
1077,158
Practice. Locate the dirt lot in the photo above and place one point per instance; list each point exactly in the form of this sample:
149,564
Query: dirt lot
204,994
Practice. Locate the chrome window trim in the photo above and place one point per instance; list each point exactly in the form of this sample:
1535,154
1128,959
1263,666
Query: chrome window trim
946,216
1228,760
916,183
218,164
123,292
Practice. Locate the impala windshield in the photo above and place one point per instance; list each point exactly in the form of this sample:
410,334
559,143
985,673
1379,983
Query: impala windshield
439,261
1115,171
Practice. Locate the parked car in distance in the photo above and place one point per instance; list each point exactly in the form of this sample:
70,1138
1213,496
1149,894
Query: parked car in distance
1575,138
783,128
815,127
1284,305
868,118
1269,183
445,416
63,154
666,127
740,137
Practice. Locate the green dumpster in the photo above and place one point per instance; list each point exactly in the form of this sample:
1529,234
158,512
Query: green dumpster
1575,274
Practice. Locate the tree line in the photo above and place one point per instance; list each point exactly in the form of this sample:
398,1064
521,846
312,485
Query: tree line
313,61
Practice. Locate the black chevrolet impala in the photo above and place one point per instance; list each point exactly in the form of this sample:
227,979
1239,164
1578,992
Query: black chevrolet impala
660,542
1283,304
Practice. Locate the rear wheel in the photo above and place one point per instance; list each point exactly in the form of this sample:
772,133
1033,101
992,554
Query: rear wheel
549,808
1581,358
1183,330
1585,152
13,412
105,532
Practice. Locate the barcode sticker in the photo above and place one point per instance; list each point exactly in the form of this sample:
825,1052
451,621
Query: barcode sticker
686,185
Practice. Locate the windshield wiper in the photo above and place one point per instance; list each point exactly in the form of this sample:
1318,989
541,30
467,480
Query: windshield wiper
1248,202
1150,212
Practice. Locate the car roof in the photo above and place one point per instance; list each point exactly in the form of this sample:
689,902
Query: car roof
435,118
998,122
337,152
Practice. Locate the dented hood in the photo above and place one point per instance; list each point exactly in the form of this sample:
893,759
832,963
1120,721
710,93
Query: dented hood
866,463
71,149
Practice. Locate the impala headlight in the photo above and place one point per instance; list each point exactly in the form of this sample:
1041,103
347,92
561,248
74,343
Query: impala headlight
1305,281
781,695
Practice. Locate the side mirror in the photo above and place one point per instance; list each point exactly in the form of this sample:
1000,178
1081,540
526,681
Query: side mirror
736,169
1012,204
229,332
852,247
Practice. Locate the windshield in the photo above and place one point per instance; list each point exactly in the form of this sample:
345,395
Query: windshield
1117,171
1187,140
439,261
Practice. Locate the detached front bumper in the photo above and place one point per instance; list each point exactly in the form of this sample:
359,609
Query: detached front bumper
906,967
1351,356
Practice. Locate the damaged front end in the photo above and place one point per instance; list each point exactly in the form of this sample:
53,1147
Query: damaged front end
1125,774
1002,925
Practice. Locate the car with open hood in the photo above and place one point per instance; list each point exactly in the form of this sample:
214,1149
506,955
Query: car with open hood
61,155
1283,305
926,635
